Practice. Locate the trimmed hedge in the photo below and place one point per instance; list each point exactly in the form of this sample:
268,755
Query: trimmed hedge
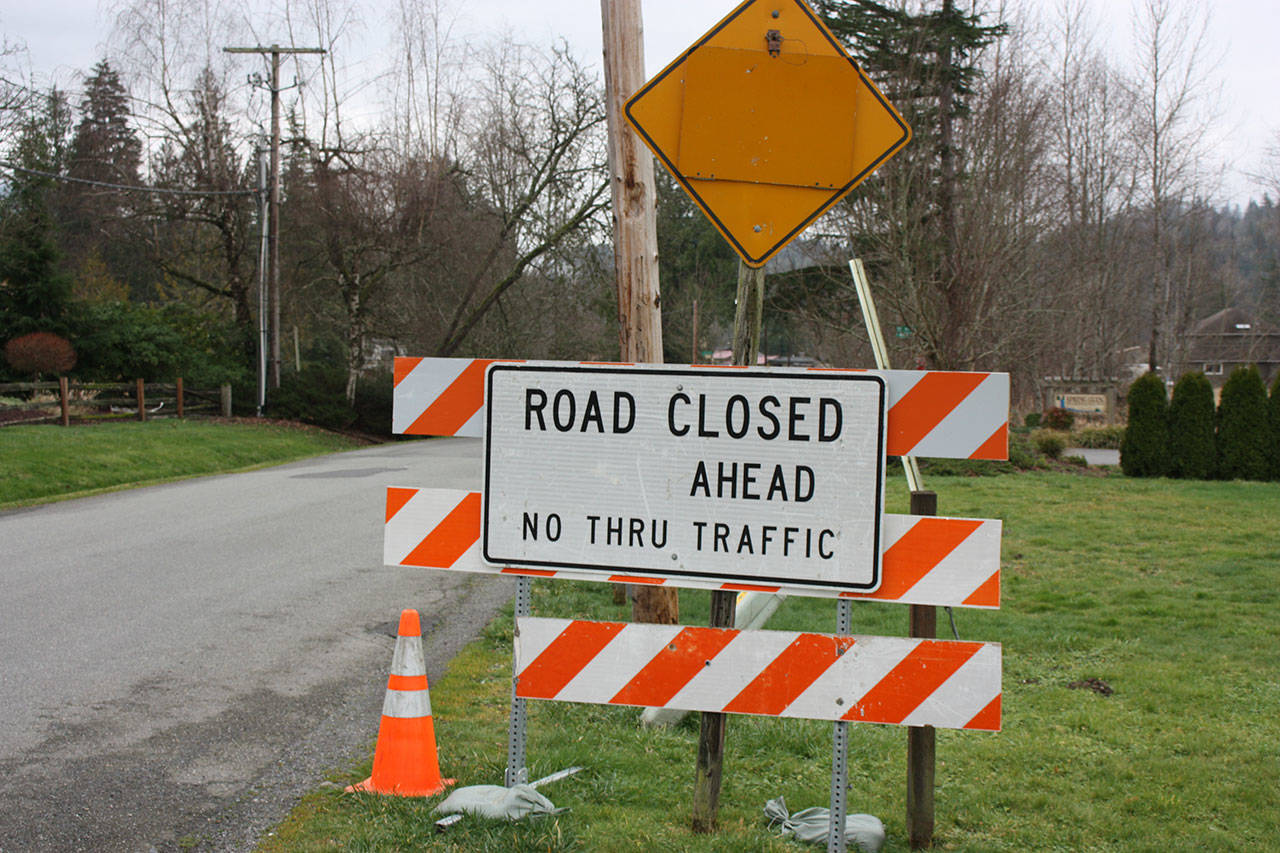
1192,451
1145,449
1243,427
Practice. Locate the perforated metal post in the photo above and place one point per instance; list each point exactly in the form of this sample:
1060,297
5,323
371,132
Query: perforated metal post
517,773
839,752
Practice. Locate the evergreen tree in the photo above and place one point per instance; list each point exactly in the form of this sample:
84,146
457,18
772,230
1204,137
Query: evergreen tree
1243,426
927,65
96,220
34,292
1144,452
1191,439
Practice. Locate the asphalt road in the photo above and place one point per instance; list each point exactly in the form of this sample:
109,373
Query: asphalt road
179,663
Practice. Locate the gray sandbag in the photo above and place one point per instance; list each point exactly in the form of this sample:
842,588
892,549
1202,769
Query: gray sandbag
813,825
497,801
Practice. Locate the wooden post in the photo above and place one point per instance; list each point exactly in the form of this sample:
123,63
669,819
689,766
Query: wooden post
141,397
226,400
710,765
179,393
635,230
63,392
706,786
921,740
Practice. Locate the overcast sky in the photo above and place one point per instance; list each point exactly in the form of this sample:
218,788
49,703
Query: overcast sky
67,36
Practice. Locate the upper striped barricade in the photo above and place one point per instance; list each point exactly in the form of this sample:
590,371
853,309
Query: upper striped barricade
949,562
936,413
894,680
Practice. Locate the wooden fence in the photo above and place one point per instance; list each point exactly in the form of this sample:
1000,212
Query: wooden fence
43,401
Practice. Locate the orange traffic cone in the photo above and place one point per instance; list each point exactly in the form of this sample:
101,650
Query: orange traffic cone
404,761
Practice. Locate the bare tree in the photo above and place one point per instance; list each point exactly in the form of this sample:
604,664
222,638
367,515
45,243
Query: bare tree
1173,96
535,159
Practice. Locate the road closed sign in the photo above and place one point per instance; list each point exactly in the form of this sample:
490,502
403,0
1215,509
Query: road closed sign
741,475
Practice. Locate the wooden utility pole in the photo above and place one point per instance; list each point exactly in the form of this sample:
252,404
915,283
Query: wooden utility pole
273,205
635,230
710,767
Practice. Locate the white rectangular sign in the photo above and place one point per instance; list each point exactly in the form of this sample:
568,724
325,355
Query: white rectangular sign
754,477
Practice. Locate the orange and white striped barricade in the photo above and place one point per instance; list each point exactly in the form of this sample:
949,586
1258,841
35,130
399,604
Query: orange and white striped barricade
894,680
938,413
953,562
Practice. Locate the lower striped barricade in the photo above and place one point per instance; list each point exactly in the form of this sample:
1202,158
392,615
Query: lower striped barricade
892,680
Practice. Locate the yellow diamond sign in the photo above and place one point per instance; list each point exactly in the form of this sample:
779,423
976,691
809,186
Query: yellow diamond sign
766,122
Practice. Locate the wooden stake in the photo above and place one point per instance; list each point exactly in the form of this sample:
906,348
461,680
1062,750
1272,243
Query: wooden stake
179,393
635,230
921,740
63,392
141,397
710,766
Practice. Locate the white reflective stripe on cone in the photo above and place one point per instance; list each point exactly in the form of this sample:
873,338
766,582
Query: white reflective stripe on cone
408,658
407,703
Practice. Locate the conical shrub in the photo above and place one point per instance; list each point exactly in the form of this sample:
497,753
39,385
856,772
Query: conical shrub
1243,427
1145,449
1192,454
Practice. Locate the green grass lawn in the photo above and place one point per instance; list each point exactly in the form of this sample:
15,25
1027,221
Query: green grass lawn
40,463
1165,591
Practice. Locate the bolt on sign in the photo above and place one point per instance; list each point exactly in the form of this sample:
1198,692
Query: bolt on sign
766,122
751,477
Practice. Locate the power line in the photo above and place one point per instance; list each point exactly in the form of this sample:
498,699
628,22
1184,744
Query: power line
127,187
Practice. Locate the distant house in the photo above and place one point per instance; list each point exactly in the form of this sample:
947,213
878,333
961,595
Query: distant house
1229,339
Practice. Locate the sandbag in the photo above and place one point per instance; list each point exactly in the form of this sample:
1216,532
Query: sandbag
813,825
497,801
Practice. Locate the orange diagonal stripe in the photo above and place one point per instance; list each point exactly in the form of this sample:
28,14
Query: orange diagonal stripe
924,406
456,405
402,367
548,673
397,498
987,595
995,447
789,674
988,719
912,681
918,552
672,668
451,537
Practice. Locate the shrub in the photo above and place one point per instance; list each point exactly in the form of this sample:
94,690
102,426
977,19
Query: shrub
1020,454
1058,418
1104,437
1032,419
315,395
40,352
1191,443
374,396
1273,409
1145,449
1243,427
1050,442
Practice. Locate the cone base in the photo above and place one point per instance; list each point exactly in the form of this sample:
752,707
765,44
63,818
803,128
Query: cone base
367,787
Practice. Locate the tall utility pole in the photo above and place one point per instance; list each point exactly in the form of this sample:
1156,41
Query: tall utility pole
635,230
273,205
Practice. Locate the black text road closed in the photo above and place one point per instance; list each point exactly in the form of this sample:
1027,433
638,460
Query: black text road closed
745,475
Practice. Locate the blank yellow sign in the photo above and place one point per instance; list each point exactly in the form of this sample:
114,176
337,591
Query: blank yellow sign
766,122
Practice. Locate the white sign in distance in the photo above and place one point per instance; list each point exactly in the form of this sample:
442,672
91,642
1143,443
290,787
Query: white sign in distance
742,475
